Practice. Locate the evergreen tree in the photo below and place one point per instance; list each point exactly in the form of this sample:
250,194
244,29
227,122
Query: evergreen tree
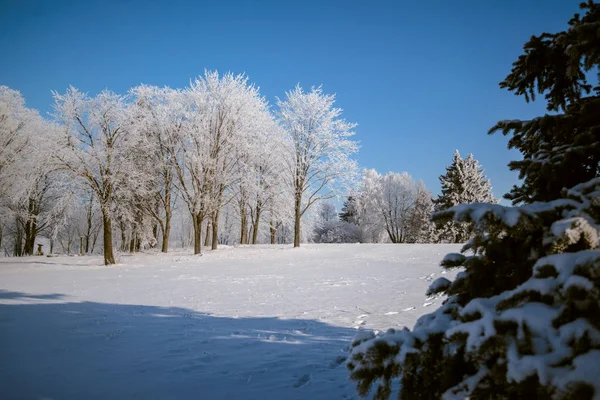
349,212
463,182
421,228
523,318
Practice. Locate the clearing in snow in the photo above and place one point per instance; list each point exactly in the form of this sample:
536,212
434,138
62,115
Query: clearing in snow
245,323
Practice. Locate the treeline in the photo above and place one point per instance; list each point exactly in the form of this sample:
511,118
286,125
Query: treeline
395,208
133,164
209,164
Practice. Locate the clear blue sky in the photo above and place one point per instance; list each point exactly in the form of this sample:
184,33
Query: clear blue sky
419,77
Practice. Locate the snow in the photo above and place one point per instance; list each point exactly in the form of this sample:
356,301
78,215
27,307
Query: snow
574,229
439,285
245,323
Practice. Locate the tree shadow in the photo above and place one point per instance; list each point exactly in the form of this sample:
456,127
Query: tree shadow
66,350
6,295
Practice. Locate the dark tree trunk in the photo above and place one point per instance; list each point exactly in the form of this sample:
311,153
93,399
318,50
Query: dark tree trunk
109,257
167,230
132,242
165,235
197,223
123,236
297,217
273,231
255,224
18,247
155,233
89,221
30,235
31,227
207,235
244,225
215,230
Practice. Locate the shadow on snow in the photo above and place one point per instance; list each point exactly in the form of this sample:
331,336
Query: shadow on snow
54,349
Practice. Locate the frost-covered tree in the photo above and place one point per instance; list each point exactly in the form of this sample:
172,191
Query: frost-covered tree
420,227
158,115
463,182
327,211
395,204
41,194
16,125
34,194
372,230
329,229
260,184
522,319
319,151
336,232
224,115
93,148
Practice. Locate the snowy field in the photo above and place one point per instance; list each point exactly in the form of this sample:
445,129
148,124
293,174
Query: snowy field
236,323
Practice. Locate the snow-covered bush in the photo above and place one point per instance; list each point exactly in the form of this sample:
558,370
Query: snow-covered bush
336,232
522,319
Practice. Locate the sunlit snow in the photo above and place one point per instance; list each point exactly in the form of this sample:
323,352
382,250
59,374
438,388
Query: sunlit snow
237,323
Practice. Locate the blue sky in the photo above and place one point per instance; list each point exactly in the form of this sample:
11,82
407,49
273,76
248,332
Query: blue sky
419,77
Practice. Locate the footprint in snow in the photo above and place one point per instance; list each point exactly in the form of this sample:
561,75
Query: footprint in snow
427,277
359,323
339,360
303,380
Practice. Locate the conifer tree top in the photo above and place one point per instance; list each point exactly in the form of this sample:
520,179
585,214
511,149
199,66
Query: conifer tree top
561,149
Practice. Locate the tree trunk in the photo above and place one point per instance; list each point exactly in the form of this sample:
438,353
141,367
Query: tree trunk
109,257
18,247
255,225
89,221
165,238
167,230
207,235
94,239
123,236
155,234
29,237
197,223
244,225
297,217
273,231
31,227
215,230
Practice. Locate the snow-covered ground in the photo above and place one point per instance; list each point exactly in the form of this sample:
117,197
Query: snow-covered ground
237,323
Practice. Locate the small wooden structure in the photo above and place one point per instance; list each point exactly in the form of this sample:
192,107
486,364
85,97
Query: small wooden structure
39,250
